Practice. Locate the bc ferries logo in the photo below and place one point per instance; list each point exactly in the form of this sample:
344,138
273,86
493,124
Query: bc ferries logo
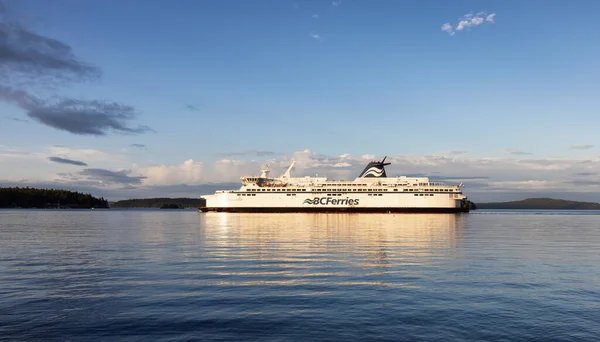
329,200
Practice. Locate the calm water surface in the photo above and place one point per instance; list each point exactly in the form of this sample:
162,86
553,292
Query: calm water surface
181,275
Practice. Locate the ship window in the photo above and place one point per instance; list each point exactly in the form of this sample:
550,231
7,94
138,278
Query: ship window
253,194
420,194
395,189
416,194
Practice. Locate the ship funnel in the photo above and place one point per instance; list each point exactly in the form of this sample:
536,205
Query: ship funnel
375,169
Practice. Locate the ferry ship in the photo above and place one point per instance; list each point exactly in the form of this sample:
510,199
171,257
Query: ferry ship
371,191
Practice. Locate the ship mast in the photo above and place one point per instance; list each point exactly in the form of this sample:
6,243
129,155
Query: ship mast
286,175
265,172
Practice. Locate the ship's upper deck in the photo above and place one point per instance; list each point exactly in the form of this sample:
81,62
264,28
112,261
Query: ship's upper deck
371,178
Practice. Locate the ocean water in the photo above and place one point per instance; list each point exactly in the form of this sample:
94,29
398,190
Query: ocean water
180,275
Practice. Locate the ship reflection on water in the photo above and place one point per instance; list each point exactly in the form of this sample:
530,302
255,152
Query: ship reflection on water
156,274
328,249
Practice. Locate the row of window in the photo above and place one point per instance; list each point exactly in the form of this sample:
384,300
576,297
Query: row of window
350,184
338,194
356,184
347,190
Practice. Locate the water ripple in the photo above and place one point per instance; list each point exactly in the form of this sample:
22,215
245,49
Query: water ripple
156,275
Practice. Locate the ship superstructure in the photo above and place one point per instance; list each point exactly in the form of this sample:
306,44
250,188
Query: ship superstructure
371,191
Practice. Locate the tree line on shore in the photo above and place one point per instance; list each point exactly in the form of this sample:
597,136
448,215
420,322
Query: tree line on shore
16,197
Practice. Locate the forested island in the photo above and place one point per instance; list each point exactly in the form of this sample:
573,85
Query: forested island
541,204
31,198
163,203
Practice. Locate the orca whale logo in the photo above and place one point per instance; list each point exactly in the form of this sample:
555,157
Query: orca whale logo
375,169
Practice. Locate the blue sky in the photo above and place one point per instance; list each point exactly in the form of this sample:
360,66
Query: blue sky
252,82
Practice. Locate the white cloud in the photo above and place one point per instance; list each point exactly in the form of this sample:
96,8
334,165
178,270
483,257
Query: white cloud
448,28
336,3
367,157
315,16
469,20
316,36
189,172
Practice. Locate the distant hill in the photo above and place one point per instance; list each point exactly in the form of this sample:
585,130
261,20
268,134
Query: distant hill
165,203
541,204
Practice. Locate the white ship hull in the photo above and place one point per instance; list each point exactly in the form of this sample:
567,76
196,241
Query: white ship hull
345,202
